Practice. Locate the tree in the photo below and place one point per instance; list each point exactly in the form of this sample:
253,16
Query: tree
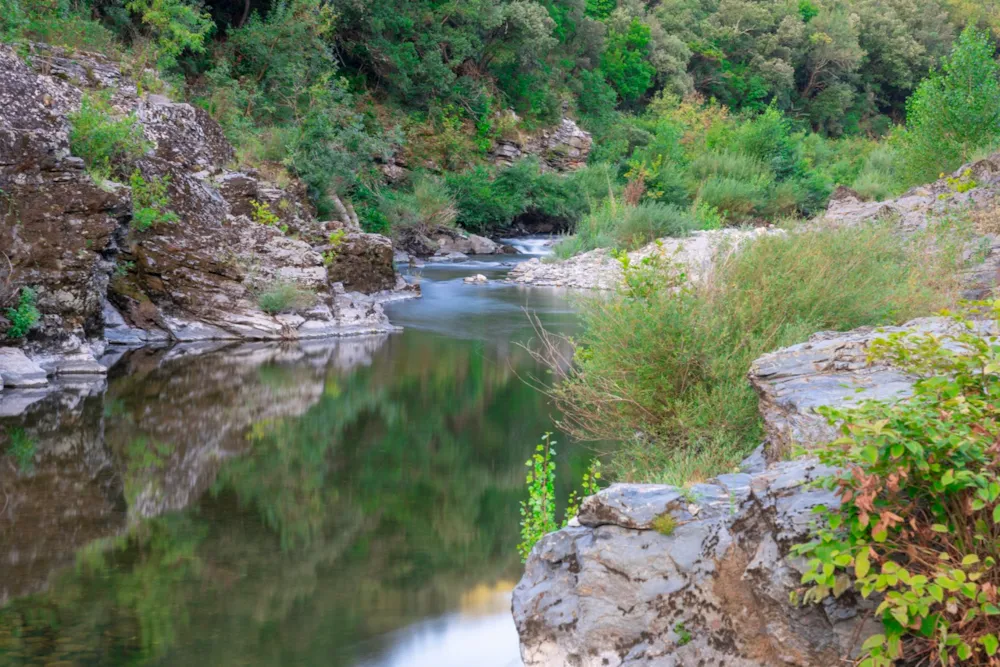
954,111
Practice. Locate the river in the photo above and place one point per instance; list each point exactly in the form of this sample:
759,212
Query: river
344,503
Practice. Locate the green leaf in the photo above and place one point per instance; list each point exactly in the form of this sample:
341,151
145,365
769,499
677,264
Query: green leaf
996,514
990,643
861,564
971,559
873,642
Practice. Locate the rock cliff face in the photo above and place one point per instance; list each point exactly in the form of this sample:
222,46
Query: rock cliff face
613,591
563,148
201,277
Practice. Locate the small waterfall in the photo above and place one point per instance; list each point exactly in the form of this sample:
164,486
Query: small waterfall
532,246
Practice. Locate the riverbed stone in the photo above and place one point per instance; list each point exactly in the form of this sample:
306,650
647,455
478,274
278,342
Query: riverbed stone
17,370
598,269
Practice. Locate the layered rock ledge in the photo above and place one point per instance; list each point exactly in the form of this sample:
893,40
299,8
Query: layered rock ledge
614,591
102,280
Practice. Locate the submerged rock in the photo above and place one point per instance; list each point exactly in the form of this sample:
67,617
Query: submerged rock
711,587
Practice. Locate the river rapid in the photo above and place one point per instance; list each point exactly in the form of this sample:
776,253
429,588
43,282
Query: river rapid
350,502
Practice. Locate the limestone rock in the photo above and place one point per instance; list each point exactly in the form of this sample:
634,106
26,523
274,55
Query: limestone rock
612,592
17,370
830,369
563,148
478,279
598,270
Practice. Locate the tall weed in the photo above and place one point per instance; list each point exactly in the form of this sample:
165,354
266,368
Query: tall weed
662,368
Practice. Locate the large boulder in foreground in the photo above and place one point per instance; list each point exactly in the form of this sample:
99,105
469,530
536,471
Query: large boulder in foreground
614,591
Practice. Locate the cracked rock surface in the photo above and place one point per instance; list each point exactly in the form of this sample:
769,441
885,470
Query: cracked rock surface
614,592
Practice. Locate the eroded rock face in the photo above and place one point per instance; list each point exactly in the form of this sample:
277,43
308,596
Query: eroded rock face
599,270
203,276
59,231
935,201
612,591
562,148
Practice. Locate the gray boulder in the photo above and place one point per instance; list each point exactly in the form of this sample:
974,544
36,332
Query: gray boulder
612,591
830,369
17,370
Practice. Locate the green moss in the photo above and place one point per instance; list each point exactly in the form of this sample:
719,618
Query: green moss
665,524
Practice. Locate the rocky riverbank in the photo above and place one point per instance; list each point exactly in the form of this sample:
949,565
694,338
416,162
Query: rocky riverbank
666,577
619,589
100,279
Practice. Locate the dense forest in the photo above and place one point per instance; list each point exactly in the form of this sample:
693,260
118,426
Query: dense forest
704,112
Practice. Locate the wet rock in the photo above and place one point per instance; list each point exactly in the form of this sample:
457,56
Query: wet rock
17,370
478,279
599,270
612,592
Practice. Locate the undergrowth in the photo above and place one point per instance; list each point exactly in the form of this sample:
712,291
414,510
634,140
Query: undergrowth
918,529
662,366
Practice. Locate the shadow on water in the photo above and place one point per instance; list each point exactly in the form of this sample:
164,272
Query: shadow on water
345,503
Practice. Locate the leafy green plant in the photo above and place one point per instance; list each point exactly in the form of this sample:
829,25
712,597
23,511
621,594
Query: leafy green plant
150,201
262,213
919,522
284,295
954,111
538,512
335,240
109,146
665,524
24,315
684,636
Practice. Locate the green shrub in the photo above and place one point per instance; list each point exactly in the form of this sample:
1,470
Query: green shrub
24,315
920,518
430,203
284,295
623,227
661,367
954,111
150,202
538,513
108,146
734,199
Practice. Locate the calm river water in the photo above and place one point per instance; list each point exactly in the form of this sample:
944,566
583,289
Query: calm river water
342,503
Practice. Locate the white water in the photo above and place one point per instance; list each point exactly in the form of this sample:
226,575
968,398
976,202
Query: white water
533,246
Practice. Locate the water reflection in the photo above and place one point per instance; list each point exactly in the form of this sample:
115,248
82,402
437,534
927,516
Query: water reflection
348,504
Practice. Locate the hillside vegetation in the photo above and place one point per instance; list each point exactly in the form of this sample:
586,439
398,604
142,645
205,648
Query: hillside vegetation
704,112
